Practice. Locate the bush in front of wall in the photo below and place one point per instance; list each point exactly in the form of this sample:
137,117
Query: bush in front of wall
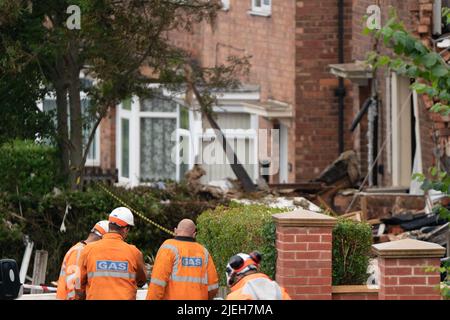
352,242
226,231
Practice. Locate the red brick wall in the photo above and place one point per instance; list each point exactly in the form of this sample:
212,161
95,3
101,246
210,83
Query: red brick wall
269,40
413,13
304,261
355,296
316,104
406,279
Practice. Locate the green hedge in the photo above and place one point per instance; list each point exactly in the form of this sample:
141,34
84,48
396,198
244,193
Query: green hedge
42,219
352,243
27,167
238,228
243,228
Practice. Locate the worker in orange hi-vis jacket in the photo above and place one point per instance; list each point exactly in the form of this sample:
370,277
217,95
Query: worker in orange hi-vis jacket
69,277
183,268
111,269
247,283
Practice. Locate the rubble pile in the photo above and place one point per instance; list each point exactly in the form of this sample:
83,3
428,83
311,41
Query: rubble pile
393,213
417,225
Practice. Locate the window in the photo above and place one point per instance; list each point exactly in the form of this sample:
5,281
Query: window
125,148
261,7
149,129
239,129
93,158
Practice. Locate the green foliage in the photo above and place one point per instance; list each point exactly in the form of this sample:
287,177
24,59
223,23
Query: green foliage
20,118
352,243
239,228
42,219
10,235
444,287
414,60
432,77
27,168
439,181
244,228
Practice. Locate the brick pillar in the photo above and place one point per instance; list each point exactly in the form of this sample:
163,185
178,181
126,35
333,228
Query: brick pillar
402,270
304,246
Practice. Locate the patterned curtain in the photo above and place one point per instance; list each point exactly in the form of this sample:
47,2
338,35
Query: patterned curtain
156,148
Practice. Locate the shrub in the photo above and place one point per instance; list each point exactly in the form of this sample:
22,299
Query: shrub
226,231
27,168
351,252
238,228
43,218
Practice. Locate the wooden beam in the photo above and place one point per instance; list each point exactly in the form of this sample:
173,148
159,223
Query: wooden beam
39,269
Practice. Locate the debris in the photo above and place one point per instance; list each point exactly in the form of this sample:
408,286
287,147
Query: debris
429,220
193,178
262,185
327,207
306,204
346,166
225,185
374,221
356,216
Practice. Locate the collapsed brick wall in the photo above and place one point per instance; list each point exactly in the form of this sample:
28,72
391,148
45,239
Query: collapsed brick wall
416,14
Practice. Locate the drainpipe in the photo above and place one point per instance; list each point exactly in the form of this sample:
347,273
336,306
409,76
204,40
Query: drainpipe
340,91
437,17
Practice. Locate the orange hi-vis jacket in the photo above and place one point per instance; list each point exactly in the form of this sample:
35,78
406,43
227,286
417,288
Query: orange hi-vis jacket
111,269
183,270
69,277
257,286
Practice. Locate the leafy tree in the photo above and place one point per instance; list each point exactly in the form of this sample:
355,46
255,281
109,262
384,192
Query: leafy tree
117,40
20,117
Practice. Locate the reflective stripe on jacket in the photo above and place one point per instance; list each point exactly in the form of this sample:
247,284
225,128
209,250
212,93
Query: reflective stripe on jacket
111,269
69,277
257,286
183,270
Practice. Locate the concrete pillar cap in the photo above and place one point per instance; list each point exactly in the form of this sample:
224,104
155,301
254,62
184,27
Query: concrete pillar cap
303,218
408,248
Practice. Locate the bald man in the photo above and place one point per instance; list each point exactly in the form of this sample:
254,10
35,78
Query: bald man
183,268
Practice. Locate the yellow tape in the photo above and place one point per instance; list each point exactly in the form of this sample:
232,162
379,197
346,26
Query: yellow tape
138,213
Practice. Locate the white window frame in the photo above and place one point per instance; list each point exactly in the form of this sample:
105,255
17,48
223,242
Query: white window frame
90,162
134,116
261,10
207,134
124,114
94,162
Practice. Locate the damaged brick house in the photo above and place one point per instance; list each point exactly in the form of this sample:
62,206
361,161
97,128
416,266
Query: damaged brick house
410,138
289,88
297,48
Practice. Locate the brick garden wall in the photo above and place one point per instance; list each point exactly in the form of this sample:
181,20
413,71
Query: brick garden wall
304,263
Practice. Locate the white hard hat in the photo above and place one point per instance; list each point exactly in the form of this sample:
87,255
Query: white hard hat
101,228
122,217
